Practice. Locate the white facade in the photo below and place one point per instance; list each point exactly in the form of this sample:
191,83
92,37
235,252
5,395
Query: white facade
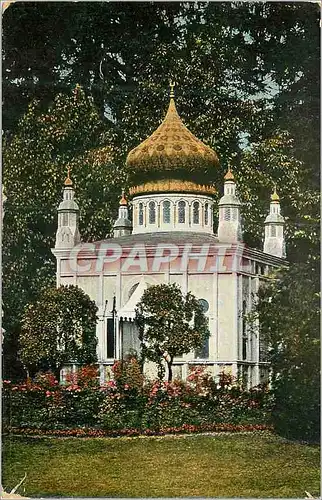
224,275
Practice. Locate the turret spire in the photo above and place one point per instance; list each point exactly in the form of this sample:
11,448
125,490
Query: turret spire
67,235
229,227
123,225
274,243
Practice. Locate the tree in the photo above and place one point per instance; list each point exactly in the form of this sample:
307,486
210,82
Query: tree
247,75
58,328
68,133
170,324
288,312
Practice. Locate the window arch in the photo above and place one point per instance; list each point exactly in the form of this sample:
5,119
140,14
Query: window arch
206,218
152,212
166,212
141,214
195,212
182,212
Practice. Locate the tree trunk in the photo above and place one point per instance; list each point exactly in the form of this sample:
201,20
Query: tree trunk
170,369
56,372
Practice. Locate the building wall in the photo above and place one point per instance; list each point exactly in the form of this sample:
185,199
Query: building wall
229,293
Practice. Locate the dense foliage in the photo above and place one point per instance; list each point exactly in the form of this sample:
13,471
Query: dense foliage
247,78
68,134
169,324
288,311
58,328
125,405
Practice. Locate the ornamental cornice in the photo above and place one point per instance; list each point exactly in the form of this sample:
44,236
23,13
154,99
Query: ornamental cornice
172,186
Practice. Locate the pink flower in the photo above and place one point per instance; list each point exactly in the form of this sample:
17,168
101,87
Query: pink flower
48,393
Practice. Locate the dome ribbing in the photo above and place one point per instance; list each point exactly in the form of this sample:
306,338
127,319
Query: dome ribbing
172,149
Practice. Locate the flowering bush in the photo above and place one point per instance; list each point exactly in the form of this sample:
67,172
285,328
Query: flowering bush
126,403
43,403
86,376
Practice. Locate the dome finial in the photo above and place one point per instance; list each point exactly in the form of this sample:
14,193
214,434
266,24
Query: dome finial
172,85
68,181
229,175
274,196
123,200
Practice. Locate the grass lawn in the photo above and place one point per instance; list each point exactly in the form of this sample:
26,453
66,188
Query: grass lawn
249,465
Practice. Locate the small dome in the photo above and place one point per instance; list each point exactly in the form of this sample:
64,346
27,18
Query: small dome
123,200
229,175
274,196
68,181
172,148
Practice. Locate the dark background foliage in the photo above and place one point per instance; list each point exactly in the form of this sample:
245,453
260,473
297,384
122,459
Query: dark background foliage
247,76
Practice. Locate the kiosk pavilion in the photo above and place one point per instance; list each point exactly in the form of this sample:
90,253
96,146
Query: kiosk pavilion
170,239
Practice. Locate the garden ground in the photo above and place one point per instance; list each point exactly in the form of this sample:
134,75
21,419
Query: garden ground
222,465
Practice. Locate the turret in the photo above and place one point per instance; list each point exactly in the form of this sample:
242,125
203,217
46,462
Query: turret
67,235
229,228
274,243
123,226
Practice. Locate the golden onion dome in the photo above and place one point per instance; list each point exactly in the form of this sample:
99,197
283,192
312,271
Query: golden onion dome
172,151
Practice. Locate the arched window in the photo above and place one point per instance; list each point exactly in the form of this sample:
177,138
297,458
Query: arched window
141,214
166,212
182,212
273,231
227,213
206,214
195,212
204,304
152,212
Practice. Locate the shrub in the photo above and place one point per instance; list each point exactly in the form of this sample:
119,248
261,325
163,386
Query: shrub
125,403
128,374
121,410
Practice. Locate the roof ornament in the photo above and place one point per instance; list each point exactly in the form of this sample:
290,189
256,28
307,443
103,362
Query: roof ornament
68,181
274,196
229,175
123,200
172,85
